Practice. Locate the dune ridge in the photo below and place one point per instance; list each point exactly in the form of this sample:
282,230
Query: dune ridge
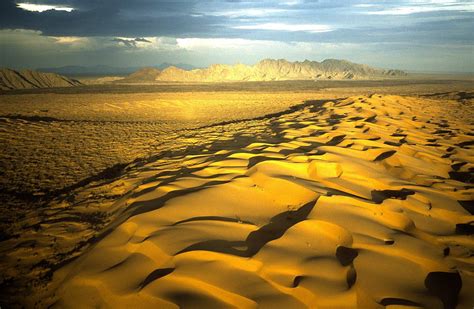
265,70
362,202
29,79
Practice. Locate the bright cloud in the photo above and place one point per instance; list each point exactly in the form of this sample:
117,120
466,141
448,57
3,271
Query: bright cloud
261,12
43,7
291,3
425,7
218,43
364,5
312,28
70,40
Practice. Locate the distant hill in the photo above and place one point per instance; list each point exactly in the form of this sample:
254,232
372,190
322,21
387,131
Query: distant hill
27,79
265,70
144,75
105,70
183,66
97,70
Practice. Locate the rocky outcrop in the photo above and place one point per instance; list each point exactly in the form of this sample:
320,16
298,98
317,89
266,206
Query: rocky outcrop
266,70
147,74
28,79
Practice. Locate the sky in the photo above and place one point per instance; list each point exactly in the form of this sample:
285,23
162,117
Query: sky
414,35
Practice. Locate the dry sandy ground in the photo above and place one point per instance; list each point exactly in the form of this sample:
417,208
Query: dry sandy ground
52,143
361,202
55,139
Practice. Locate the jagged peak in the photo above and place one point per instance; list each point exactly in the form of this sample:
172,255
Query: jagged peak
338,61
276,69
172,68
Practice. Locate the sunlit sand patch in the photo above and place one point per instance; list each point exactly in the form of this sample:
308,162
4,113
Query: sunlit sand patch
349,205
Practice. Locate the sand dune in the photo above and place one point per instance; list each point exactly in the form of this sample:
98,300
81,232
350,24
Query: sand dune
28,79
363,202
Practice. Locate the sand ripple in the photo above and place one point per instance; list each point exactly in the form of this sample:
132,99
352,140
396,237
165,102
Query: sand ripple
363,202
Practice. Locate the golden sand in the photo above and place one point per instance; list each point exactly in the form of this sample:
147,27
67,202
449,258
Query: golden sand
363,202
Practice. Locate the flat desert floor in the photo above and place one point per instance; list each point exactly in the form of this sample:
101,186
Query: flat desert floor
286,195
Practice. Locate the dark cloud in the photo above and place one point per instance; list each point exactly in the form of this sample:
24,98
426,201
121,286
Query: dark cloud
142,40
350,21
130,42
116,24
111,18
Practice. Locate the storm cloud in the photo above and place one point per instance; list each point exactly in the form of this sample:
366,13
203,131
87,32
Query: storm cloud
427,30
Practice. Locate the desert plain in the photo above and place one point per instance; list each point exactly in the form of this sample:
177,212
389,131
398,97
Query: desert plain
311,194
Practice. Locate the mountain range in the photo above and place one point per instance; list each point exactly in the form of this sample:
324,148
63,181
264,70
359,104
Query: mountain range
265,70
105,70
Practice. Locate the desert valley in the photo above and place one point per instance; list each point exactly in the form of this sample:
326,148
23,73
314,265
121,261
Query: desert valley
284,184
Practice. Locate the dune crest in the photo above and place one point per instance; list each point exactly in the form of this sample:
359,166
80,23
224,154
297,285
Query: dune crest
363,202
